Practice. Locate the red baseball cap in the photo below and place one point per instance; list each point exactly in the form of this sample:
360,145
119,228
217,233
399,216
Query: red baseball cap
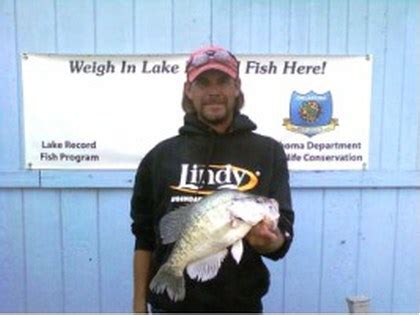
209,58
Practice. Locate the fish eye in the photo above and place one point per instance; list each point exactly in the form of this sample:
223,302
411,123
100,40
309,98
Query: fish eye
260,200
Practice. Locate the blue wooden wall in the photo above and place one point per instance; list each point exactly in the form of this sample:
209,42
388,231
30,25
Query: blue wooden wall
65,243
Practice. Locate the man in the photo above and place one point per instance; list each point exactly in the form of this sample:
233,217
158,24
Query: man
215,148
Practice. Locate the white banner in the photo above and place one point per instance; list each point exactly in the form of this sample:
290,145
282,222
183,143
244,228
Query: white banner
107,112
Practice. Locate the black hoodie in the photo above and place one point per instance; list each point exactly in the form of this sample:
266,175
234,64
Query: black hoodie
183,169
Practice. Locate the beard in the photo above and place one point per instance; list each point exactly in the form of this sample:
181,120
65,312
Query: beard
215,111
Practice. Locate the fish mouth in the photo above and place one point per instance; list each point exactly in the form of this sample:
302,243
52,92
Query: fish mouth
274,203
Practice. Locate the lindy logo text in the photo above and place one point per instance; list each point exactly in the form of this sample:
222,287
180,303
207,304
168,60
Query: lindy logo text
194,177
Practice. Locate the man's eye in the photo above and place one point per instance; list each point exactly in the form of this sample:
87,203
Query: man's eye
202,82
224,80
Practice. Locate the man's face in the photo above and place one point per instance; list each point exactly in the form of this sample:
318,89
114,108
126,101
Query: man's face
213,94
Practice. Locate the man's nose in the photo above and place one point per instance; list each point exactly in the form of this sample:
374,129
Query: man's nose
214,89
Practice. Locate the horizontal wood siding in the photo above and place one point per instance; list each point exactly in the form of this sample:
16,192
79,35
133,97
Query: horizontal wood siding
65,238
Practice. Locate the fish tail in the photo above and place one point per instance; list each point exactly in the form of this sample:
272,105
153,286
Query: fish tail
167,280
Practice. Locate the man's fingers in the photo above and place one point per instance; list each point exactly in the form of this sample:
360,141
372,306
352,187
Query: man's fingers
268,223
266,231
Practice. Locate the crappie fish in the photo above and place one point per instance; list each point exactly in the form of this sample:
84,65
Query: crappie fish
203,232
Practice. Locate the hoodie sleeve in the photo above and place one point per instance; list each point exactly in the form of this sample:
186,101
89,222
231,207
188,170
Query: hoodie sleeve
142,208
280,190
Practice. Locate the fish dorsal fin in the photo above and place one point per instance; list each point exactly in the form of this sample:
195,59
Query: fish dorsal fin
206,268
237,251
173,223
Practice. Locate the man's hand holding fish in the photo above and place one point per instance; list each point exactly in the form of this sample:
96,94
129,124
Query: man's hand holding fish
265,237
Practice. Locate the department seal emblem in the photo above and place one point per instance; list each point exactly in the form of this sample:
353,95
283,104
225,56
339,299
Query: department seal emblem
310,113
